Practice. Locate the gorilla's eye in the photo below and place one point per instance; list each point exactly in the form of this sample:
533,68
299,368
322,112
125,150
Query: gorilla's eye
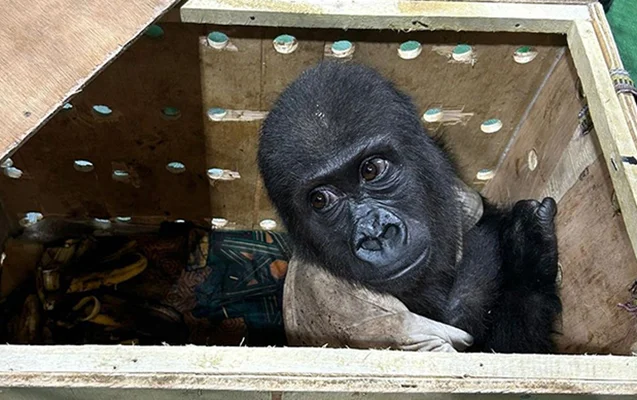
371,169
319,199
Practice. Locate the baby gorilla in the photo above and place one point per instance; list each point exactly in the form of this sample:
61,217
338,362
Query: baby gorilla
365,192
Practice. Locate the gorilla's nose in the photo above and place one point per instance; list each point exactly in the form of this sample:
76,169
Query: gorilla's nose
376,231
371,244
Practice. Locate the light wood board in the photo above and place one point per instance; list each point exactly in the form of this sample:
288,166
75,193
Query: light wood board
400,15
154,73
312,369
50,49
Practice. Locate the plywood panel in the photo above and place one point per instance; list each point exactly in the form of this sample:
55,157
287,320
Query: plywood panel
155,73
72,41
547,130
598,267
493,86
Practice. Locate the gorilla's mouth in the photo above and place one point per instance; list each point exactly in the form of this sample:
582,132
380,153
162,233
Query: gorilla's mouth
405,269
385,241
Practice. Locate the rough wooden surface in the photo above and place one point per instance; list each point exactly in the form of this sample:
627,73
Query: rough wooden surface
547,129
598,267
312,369
154,73
43,66
158,394
609,118
495,86
401,15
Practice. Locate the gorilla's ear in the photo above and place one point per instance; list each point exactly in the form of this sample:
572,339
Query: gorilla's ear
471,204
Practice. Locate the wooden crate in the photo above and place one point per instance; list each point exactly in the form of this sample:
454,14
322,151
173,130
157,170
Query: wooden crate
160,91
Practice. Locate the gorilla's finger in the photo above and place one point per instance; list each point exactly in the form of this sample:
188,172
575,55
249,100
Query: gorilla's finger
547,210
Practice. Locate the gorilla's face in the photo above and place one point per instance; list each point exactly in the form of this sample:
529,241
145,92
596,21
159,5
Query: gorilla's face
361,187
363,211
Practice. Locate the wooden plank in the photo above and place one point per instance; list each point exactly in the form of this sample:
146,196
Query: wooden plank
41,68
232,80
153,74
312,369
400,15
613,60
598,267
547,129
610,121
481,89
158,394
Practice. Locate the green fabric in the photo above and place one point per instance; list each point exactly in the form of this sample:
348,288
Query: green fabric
622,18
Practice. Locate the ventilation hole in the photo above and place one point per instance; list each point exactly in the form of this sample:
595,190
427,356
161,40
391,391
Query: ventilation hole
120,175
491,125
219,222
524,54
215,173
462,52
83,165
409,50
267,224
7,163
102,223
217,40
252,18
123,219
532,161
31,218
171,112
223,174
154,31
67,106
102,110
176,167
342,48
285,44
517,25
13,172
216,113
485,174
433,115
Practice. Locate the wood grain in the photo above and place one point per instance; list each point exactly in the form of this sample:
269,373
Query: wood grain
547,129
151,75
313,370
610,117
479,16
495,86
598,267
41,67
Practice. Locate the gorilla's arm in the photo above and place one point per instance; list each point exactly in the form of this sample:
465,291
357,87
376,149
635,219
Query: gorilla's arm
505,292
475,290
529,302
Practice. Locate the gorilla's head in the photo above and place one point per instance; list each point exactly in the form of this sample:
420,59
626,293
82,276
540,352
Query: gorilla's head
361,187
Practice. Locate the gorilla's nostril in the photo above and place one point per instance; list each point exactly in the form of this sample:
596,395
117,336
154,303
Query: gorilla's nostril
390,232
371,244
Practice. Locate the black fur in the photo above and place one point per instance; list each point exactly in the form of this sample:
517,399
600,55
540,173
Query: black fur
397,233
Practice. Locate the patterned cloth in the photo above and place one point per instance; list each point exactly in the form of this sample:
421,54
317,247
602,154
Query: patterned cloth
231,290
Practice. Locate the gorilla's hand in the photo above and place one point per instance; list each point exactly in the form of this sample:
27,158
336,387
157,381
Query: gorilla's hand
529,240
